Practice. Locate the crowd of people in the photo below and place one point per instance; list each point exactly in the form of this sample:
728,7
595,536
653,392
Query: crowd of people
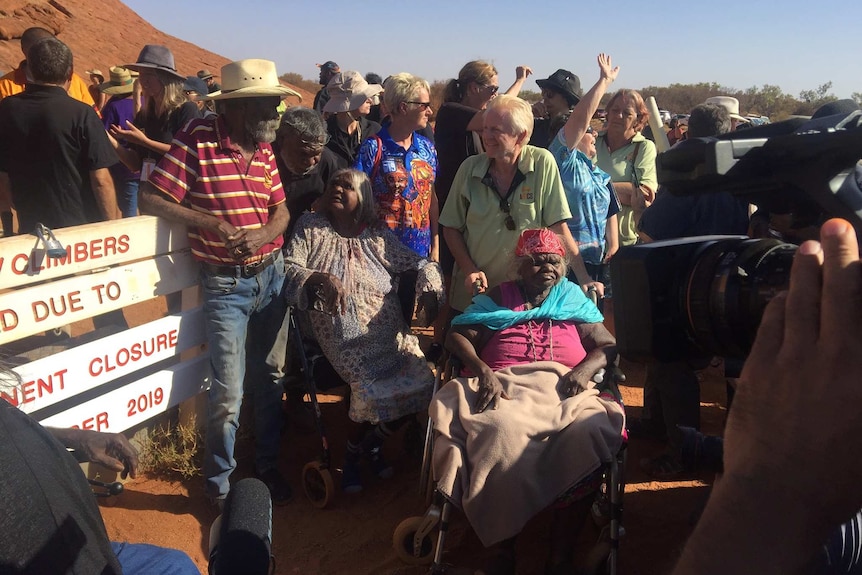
491,225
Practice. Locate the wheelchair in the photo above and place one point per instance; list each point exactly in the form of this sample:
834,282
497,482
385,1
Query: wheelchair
317,479
415,542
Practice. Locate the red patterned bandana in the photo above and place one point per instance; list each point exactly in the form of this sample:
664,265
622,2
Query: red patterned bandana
542,241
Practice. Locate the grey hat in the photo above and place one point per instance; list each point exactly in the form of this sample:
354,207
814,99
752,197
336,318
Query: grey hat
155,57
195,84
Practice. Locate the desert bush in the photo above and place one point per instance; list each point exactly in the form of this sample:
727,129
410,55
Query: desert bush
172,449
297,80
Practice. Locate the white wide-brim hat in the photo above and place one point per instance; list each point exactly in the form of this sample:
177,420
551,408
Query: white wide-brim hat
348,91
252,78
730,104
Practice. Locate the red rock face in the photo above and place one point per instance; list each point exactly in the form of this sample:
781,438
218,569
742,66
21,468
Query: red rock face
101,34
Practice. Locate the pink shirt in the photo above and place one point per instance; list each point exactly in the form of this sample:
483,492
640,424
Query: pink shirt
545,340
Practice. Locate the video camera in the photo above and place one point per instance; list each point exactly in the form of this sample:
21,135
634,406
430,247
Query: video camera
704,296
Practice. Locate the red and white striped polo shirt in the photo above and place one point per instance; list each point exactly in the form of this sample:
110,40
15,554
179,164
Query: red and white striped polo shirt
204,170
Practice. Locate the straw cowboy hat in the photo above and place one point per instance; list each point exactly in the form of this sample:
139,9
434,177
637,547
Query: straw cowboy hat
348,91
154,57
730,104
96,72
121,82
252,78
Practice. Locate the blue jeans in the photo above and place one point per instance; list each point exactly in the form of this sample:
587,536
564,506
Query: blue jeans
237,308
127,198
143,559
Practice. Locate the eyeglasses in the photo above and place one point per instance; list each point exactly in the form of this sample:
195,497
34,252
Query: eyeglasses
505,208
590,130
491,88
423,105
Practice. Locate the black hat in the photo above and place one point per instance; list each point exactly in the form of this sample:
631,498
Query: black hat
834,108
565,83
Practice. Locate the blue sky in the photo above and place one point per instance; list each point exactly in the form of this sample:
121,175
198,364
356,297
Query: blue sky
795,45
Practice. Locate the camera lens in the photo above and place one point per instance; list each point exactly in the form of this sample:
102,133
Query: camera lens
728,286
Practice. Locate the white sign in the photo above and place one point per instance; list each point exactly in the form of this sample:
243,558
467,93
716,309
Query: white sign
48,305
58,377
137,402
23,259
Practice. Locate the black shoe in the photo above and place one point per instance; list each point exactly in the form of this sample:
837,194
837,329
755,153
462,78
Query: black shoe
279,489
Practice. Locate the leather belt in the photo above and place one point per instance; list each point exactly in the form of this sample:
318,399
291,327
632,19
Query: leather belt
242,271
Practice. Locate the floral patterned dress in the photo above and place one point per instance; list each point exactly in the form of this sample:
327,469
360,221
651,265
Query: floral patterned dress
369,345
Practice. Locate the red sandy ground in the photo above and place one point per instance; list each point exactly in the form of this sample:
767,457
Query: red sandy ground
354,535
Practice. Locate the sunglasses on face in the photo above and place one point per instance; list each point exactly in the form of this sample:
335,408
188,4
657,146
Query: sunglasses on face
423,105
491,88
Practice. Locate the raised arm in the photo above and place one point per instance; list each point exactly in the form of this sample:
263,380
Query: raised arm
521,73
579,119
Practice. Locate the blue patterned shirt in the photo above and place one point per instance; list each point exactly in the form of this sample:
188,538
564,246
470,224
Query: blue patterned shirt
403,181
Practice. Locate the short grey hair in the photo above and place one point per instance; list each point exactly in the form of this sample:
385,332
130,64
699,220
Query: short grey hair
304,122
400,88
708,120
518,111
367,213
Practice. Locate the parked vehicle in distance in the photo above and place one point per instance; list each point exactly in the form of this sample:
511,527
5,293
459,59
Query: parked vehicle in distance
758,120
665,116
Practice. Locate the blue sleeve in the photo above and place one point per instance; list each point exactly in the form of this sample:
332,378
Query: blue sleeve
365,158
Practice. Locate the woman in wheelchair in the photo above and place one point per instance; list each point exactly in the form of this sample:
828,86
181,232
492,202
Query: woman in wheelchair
531,347
340,267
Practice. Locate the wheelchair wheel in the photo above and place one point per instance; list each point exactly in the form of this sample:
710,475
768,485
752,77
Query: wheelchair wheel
318,484
405,546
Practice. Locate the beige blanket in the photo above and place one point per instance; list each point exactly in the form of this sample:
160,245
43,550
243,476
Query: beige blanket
503,466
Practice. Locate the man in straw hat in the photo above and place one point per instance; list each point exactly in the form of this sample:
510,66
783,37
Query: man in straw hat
730,104
119,109
220,179
209,79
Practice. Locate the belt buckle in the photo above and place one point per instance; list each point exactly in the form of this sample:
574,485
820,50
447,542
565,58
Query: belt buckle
249,270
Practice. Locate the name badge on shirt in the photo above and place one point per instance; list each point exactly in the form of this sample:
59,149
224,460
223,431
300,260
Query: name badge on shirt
147,168
389,166
527,194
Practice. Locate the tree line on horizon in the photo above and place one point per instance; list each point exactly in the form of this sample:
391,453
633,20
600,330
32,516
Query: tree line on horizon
767,100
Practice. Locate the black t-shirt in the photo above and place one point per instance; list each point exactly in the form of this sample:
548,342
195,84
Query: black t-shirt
347,145
162,129
48,516
301,191
49,144
454,144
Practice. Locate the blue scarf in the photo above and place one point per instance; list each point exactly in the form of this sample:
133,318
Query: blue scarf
566,301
